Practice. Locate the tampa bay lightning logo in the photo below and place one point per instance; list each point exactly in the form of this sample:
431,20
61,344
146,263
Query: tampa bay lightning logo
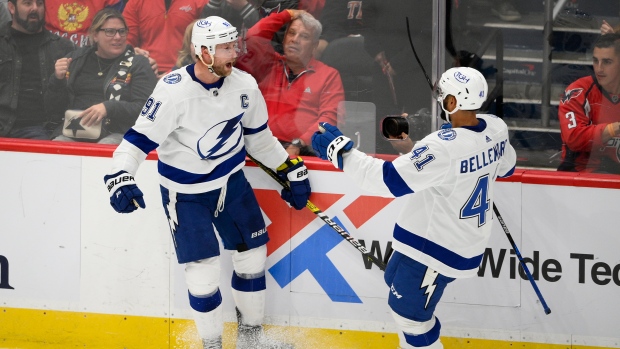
172,78
220,139
447,135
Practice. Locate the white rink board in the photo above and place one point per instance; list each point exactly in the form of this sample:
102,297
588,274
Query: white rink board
68,250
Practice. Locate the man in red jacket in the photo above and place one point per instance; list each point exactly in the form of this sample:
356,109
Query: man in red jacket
589,113
299,90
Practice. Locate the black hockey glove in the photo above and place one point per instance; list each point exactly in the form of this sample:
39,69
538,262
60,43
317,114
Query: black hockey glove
295,173
125,197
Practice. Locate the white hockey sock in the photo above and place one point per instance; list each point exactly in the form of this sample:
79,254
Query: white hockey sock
210,325
251,305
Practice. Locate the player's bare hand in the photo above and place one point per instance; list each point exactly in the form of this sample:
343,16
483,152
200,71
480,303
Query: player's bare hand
94,115
61,67
237,4
606,28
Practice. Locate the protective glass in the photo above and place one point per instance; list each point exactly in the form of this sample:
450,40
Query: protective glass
111,32
438,93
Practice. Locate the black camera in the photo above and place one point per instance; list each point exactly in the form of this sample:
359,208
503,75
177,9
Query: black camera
393,126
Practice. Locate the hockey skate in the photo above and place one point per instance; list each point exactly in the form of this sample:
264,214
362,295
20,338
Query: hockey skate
212,343
253,337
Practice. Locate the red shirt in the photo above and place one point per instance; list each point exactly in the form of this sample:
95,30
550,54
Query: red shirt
295,108
71,19
158,31
585,110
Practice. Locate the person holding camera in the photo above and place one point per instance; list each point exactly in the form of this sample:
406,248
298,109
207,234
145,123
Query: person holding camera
448,178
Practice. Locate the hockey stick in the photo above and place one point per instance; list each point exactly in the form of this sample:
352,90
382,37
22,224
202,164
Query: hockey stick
527,271
499,217
345,235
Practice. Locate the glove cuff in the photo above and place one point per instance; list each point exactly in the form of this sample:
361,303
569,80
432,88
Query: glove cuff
294,169
117,180
335,150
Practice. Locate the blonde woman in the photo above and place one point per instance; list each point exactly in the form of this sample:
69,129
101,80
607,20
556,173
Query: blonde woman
106,84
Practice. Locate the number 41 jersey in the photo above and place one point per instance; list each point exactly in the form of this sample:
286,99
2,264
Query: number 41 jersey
448,178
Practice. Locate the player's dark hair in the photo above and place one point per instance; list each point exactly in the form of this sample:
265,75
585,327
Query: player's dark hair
608,40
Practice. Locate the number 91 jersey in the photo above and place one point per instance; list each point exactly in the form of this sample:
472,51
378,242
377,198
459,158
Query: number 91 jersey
448,178
201,131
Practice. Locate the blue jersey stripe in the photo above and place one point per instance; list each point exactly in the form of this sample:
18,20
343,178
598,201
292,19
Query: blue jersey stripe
394,181
436,251
184,177
251,131
509,173
139,140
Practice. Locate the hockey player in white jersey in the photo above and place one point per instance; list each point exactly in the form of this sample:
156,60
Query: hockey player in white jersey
202,119
448,180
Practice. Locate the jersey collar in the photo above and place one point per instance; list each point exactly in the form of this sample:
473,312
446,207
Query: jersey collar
218,84
482,125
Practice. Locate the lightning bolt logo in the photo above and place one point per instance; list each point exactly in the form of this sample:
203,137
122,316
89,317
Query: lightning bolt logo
219,146
429,283
173,221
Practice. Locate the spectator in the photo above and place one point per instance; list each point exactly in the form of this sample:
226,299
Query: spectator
340,19
156,28
399,84
589,113
111,66
268,7
72,19
187,54
5,15
243,14
30,52
299,90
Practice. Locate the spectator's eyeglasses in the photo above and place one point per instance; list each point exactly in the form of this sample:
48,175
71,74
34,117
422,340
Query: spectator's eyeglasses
111,32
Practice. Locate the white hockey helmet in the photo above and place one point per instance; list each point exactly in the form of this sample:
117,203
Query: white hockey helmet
467,85
210,32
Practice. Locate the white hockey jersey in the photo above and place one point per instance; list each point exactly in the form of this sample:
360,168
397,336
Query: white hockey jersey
201,131
446,222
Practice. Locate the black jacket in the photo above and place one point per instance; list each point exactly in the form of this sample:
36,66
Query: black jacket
52,48
122,113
